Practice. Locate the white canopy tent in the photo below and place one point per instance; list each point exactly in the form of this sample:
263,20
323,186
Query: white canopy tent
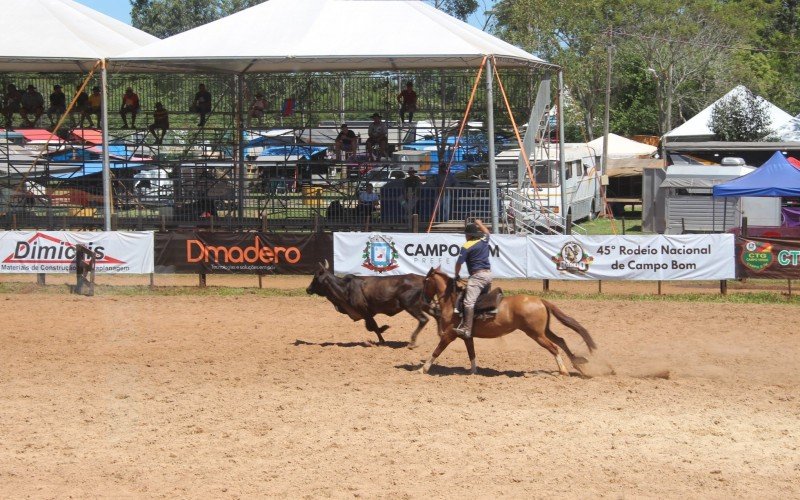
622,147
68,37
61,35
697,128
281,36
318,35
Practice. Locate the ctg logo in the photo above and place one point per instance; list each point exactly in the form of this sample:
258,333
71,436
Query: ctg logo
756,255
572,258
380,254
46,249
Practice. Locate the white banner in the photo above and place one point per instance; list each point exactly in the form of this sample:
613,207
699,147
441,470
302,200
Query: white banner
381,254
656,257
54,251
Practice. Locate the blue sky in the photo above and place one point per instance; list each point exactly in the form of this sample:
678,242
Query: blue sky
118,9
121,9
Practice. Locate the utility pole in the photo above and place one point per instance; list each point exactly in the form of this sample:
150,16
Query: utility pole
606,117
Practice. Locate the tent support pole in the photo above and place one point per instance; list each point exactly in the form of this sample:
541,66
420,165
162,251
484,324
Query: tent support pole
562,170
106,161
490,137
240,141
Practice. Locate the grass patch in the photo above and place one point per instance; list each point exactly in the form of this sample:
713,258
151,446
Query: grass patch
742,297
631,219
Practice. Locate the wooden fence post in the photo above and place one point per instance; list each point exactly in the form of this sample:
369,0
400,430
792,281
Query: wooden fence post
202,283
659,287
415,223
41,279
723,287
545,285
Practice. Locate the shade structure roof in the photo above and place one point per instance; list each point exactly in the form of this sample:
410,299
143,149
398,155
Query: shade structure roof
697,127
326,35
776,177
61,35
621,147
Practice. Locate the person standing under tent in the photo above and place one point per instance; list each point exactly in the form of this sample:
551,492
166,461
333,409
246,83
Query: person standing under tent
258,108
94,106
411,186
202,104
130,106
160,122
58,105
408,102
378,134
32,103
475,252
368,200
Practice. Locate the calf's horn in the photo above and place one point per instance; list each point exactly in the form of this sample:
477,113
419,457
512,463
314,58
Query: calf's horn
327,266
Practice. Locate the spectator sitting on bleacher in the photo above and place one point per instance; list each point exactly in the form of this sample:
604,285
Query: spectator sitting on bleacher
346,141
81,106
378,134
32,103
58,105
160,122
12,100
130,105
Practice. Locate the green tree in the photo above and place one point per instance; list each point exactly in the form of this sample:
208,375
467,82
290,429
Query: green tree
164,18
740,117
573,34
461,9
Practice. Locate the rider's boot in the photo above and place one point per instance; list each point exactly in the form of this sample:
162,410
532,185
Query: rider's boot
464,330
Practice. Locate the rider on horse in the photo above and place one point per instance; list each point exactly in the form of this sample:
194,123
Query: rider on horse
475,252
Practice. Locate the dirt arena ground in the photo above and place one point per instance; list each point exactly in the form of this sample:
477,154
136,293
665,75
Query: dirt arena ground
218,397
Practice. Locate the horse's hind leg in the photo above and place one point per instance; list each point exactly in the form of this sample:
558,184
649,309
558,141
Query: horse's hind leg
540,338
577,361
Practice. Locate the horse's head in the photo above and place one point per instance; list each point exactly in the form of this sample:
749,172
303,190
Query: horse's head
317,286
436,283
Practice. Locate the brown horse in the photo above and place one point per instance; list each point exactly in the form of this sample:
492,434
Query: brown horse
519,312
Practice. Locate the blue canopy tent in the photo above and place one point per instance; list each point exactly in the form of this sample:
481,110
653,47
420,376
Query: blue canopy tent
776,177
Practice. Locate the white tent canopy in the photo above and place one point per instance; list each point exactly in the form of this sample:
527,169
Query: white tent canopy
327,35
788,132
697,128
621,147
61,35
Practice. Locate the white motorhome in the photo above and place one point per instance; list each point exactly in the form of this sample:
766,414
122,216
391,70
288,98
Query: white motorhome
581,183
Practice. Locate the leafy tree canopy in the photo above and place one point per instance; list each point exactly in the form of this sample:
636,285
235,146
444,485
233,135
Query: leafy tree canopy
742,117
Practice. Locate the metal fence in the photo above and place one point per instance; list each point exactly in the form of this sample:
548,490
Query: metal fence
204,176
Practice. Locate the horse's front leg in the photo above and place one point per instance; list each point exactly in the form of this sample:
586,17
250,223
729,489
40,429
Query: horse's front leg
473,365
443,343
373,327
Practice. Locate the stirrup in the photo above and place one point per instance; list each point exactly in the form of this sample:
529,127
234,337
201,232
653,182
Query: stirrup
463,332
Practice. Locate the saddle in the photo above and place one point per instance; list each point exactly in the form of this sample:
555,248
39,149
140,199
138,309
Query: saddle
487,303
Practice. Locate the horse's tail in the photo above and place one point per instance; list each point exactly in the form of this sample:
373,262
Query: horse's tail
570,323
